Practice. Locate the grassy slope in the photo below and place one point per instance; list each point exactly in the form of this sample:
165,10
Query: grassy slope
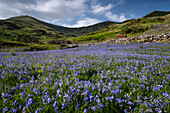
131,28
26,29
29,29
163,29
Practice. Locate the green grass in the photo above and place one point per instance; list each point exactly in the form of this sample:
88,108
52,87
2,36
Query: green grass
94,38
26,29
48,46
28,47
131,28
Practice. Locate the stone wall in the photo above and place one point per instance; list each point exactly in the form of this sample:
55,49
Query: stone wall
142,38
80,45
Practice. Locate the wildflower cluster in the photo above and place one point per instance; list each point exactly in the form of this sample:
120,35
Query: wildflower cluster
114,78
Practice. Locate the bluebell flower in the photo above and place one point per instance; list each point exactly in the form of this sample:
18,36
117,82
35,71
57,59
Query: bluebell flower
119,100
158,110
93,108
22,94
39,87
93,87
4,95
35,90
58,92
63,105
66,95
147,88
85,110
60,84
90,94
46,95
14,103
163,105
44,100
5,109
150,105
20,107
49,100
86,98
55,103
5,100
100,106
22,85
165,94
19,77
37,111
125,111
45,89
29,102
77,106
53,98
98,100
142,85
56,109
13,110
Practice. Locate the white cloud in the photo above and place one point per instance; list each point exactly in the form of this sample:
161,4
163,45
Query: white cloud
120,2
115,17
97,8
49,10
84,22
6,10
57,6
132,15
57,10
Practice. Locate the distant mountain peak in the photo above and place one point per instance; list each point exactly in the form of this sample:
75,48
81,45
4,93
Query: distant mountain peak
157,13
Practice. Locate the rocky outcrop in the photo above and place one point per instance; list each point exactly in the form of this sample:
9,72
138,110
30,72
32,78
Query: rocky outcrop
80,45
4,44
59,41
142,38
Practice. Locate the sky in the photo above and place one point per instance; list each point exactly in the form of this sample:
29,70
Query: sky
78,13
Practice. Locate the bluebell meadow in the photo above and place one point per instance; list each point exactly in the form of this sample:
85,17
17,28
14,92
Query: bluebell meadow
101,78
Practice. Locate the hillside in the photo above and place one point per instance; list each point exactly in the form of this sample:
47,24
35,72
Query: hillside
79,31
133,27
157,13
28,29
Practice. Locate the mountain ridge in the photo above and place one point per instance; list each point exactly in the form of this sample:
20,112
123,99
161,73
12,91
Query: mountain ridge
157,13
31,30
68,30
